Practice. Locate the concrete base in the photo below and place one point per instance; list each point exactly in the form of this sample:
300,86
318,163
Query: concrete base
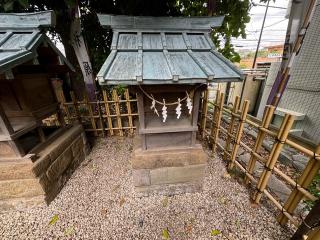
169,170
23,180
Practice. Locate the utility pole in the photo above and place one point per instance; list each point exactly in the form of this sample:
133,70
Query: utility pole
257,49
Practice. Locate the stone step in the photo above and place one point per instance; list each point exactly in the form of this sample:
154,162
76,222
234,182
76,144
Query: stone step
16,169
19,188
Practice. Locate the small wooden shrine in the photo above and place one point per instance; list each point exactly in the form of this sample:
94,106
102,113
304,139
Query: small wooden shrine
167,62
28,62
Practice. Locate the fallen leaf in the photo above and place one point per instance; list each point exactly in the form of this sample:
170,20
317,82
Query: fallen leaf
165,234
188,228
215,232
226,175
68,231
54,219
116,188
238,223
122,201
165,202
222,200
104,212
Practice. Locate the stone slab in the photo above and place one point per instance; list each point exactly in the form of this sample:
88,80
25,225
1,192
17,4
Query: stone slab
169,189
170,175
16,169
60,165
168,157
20,188
141,177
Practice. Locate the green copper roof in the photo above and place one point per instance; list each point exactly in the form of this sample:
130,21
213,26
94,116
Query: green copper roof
164,50
20,35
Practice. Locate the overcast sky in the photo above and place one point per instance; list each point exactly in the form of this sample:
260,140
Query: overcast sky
274,30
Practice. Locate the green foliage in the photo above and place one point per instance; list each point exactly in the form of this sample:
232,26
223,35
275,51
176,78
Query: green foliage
314,189
236,14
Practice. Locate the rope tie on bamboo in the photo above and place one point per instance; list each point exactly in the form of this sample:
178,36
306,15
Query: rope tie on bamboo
279,141
267,168
283,210
258,190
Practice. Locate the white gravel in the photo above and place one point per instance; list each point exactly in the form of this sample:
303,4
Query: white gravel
98,202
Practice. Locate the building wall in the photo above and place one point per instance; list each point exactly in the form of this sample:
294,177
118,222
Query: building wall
274,68
303,90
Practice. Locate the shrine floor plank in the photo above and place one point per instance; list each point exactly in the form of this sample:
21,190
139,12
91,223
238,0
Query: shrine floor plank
20,126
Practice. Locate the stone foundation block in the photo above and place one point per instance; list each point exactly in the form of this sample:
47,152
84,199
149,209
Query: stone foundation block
170,175
169,189
141,177
168,157
60,165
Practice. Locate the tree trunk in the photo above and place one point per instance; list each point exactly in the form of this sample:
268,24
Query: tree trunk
63,28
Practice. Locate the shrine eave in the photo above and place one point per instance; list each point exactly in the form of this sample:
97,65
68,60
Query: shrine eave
20,36
147,50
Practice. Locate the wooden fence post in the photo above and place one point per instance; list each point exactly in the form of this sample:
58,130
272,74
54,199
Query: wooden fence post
309,173
275,152
127,96
204,113
101,120
235,109
236,143
117,106
65,108
217,119
89,107
266,120
75,106
107,107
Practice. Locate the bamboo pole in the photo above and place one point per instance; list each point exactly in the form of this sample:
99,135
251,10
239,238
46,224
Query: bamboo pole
231,126
100,114
218,121
89,107
214,117
204,113
106,104
117,107
266,120
127,96
236,145
309,173
75,106
275,152
65,107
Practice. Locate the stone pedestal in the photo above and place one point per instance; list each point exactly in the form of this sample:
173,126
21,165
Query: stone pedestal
169,171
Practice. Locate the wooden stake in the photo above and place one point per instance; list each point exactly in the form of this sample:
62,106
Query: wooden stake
214,118
100,114
266,120
117,107
307,176
275,152
89,107
236,145
204,113
127,96
231,127
218,121
65,107
75,106
106,104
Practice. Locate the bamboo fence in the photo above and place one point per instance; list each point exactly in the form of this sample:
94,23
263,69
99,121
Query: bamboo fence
110,114
211,128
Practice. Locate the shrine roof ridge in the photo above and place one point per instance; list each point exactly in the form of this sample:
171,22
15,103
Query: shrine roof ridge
27,20
123,23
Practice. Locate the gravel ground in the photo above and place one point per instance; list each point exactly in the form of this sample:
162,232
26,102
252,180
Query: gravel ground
98,202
